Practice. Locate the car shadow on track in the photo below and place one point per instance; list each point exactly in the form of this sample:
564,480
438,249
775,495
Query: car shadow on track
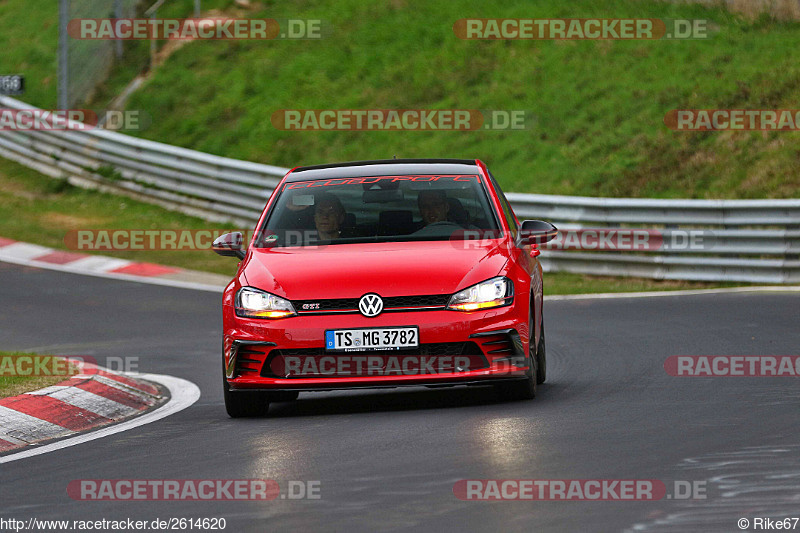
369,401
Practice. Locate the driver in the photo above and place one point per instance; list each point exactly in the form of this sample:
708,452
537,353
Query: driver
433,206
329,216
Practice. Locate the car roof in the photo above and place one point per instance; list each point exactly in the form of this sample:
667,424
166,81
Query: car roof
384,167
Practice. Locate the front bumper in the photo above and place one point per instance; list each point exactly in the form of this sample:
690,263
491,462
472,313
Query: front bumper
495,341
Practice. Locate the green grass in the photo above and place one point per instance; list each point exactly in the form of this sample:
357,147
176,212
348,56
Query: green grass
41,210
136,58
29,44
13,384
599,105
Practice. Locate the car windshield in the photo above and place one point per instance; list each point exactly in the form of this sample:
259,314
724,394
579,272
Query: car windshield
379,209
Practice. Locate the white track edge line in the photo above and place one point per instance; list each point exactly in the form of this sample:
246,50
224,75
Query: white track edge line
554,297
183,395
110,275
658,294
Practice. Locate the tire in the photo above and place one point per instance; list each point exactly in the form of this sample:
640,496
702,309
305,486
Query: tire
522,389
241,404
541,358
283,396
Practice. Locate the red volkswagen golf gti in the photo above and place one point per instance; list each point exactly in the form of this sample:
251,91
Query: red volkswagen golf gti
383,274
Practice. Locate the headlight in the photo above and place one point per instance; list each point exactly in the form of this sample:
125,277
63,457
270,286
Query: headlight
495,292
253,303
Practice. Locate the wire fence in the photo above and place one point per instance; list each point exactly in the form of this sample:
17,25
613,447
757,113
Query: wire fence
780,9
84,64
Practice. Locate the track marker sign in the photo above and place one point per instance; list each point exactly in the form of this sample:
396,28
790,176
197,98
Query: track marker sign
13,85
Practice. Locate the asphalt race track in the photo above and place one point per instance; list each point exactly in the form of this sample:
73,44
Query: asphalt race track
387,460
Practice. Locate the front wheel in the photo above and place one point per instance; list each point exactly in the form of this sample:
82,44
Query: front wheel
283,396
541,358
240,404
523,389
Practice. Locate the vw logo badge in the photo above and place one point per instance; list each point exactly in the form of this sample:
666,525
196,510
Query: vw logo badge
370,305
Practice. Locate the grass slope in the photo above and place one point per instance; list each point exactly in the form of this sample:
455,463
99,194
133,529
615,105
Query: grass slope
599,105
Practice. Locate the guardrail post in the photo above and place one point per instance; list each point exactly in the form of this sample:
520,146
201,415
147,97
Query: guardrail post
63,55
118,15
152,12
787,240
153,45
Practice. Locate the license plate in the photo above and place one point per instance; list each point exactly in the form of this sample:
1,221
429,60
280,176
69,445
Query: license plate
355,340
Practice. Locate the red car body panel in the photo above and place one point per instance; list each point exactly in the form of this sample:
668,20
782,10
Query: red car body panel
389,269
393,268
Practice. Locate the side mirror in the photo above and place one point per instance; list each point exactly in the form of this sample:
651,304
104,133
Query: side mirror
536,232
229,245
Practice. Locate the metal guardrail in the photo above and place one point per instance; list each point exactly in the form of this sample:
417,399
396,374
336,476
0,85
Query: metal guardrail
208,186
754,241
751,240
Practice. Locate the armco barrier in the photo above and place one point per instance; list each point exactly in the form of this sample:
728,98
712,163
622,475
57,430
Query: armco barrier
754,240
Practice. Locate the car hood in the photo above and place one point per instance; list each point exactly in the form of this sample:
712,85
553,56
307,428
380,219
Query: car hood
388,269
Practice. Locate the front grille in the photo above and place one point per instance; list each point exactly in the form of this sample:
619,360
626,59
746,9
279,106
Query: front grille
274,366
435,300
350,305
336,304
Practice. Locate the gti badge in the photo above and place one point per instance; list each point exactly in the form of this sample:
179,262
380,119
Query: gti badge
370,305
